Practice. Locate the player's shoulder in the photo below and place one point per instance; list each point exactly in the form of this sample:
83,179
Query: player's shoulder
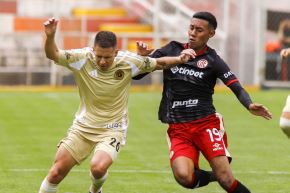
214,56
127,58
128,55
86,52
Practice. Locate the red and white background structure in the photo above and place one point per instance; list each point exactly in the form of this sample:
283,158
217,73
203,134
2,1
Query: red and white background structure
248,35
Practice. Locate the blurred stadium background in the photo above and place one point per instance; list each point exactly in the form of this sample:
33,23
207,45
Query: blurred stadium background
247,35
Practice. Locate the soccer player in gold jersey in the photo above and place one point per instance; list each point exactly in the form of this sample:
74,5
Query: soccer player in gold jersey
285,116
103,76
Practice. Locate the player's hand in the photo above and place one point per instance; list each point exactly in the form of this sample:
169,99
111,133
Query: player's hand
186,55
260,110
285,53
50,26
143,49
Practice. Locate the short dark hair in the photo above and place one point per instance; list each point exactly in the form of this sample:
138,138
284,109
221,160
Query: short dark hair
208,17
105,39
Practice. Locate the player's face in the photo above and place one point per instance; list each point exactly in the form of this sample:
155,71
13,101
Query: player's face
199,33
105,57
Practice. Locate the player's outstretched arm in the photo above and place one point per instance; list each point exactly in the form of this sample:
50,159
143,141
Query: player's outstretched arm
260,110
168,62
245,99
285,53
50,46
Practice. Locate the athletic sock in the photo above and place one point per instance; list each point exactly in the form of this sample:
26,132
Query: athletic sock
47,187
202,178
238,187
97,183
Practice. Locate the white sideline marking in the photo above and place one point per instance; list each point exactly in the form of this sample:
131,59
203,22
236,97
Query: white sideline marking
147,171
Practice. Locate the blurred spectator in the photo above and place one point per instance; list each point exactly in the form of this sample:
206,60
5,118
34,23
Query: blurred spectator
285,53
283,38
276,66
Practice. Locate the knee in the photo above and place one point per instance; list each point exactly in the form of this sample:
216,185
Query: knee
184,178
56,174
98,170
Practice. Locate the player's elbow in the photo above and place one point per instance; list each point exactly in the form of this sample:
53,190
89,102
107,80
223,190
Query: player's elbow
52,55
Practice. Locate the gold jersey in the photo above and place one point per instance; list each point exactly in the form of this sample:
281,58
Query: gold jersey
103,94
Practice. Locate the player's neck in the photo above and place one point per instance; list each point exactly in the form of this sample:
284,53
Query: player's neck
202,50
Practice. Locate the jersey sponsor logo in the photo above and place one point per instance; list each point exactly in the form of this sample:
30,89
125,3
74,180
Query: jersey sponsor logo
119,74
186,71
114,125
202,63
187,103
94,73
228,74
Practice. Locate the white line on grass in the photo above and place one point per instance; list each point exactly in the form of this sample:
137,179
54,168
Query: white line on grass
148,171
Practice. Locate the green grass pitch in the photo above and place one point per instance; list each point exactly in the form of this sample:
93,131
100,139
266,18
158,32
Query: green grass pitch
32,123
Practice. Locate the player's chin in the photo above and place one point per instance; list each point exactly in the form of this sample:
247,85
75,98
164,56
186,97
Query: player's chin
104,68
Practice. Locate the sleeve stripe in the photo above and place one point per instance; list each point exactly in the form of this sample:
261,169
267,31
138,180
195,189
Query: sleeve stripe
135,69
231,82
79,64
134,56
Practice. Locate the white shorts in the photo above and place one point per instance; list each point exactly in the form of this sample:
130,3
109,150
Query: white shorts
287,105
285,126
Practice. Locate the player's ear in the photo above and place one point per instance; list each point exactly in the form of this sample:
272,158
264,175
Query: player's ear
116,52
211,33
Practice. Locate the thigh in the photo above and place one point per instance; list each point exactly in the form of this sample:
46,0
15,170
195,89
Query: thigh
211,143
211,138
111,143
183,166
181,147
63,163
101,160
78,146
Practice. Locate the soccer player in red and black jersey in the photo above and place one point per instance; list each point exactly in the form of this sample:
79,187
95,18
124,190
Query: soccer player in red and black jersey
187,106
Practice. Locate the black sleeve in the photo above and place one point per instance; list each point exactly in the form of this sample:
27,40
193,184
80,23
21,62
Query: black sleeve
224,73
241,94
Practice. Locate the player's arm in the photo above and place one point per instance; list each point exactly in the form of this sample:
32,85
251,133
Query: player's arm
244,98
50,46
168,62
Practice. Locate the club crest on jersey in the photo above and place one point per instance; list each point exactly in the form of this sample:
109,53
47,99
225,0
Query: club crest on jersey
202,63
119,74
94,73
